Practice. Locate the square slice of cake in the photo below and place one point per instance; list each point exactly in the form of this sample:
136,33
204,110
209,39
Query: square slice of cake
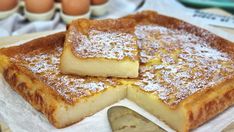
101,48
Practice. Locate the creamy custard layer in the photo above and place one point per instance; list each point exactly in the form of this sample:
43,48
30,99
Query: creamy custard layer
98,66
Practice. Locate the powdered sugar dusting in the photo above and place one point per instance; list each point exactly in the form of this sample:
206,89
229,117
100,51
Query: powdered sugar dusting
100,44
46,66
177,64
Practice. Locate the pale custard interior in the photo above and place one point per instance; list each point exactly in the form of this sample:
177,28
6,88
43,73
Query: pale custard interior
98,66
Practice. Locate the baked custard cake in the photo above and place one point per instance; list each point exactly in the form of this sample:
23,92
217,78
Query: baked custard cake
185,79
101,48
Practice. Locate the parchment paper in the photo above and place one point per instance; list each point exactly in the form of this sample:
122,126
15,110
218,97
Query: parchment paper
21,117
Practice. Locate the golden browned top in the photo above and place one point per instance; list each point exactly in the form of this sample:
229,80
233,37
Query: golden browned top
176,64
94,39
45,64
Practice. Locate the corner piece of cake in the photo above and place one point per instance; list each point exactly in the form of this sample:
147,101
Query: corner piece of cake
101,48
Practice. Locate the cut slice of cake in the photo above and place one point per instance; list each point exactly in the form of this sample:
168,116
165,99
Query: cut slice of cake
101,48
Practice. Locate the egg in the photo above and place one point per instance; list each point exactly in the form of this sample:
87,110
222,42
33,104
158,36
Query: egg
75,7
58,1
6,5
98,2
39,6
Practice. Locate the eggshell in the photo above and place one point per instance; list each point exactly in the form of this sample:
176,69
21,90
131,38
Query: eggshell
75,7
98,2
39,6
6,5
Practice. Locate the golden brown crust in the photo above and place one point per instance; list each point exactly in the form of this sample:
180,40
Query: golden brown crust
205,105
42,98
45,44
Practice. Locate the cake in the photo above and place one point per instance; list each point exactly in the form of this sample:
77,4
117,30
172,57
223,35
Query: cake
104,48
185,78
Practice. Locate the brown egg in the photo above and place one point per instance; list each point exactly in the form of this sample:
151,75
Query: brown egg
39,6
75,7
58,1
98,2
6,5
